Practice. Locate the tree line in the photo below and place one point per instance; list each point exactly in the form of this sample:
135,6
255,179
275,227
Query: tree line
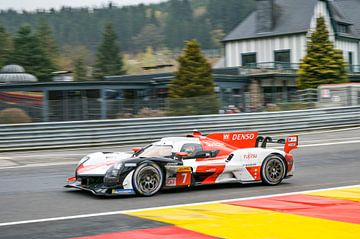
37,51
166,24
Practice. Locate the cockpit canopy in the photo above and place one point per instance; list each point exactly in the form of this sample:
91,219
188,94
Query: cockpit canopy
169,147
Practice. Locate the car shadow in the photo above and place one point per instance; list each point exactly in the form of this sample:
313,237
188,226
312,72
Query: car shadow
169,191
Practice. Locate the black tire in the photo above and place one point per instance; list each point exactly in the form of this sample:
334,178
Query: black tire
147,179
273,170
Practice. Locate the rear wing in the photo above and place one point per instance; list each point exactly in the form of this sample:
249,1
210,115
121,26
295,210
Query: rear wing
291,142
243,140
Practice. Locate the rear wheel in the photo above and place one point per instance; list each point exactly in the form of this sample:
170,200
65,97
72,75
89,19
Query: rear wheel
147,179
273,170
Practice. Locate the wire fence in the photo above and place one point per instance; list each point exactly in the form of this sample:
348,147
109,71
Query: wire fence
83,108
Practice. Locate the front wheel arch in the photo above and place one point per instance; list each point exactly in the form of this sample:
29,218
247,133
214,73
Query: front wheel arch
148,178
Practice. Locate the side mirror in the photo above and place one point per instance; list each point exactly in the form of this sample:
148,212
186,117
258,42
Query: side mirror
202,154
207,154
181,154
136,149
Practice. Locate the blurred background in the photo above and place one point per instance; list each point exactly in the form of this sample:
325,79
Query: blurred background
87,60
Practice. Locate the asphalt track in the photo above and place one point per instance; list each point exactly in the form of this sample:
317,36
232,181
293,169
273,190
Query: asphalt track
31,188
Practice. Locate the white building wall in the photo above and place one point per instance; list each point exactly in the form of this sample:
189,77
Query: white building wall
345,45
322,11
348,46
264,48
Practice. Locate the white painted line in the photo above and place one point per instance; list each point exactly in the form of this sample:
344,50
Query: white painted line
328,144
318,131
46,155
5,158
329,140
330,131
75,162
162,207
38,165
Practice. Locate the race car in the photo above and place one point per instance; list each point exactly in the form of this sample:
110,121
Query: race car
187,161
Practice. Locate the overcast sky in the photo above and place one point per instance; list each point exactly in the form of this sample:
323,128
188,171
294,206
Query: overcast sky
47,4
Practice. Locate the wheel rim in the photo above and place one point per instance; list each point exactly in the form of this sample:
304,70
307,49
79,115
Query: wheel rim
148,180
274,170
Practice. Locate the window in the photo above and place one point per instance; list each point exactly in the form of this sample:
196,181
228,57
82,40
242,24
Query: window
350,61
282,59
248,59
343,28
350,57
282,56
163,151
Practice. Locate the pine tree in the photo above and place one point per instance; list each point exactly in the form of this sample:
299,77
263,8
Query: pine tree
46,39
108,58
5,46
323,64
192,90
80,72
29,54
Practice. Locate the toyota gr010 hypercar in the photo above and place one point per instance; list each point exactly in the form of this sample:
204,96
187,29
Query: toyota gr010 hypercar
186,161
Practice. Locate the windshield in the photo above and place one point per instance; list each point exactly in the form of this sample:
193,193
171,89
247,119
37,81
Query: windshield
163,151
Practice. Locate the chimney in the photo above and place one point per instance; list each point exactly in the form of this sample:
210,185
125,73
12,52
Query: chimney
264,15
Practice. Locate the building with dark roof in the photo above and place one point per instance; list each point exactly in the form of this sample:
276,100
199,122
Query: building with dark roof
277,31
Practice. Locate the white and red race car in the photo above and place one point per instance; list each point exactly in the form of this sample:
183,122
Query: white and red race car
186,161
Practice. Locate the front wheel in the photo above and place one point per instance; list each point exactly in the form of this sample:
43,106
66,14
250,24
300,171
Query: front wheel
147,179
273,170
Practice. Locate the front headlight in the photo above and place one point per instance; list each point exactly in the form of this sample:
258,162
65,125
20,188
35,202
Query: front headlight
118,165
112,174
116,169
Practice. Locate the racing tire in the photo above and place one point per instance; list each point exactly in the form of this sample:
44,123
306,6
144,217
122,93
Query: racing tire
147,179
273,170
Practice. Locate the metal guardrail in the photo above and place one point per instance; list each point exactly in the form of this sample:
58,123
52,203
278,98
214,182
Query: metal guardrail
132,131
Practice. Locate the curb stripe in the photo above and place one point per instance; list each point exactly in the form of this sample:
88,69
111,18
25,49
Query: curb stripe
162,207
165,232
307,205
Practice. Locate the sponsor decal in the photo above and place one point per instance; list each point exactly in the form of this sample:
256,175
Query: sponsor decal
245,136
250,156
122,191
170,181
210,170
292,139
183,169
249,164
130,165
226,136
213,144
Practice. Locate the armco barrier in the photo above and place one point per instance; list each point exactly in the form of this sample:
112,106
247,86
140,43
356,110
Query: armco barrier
133,131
